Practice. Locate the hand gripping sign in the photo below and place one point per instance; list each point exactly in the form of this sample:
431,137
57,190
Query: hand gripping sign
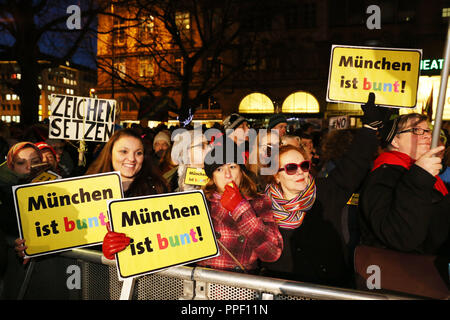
64,214
392,74
166,230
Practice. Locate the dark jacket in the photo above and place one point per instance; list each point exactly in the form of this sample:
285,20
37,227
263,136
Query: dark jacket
8,219
315,251
401,210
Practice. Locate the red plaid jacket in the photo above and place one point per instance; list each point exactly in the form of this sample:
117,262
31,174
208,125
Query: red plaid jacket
249,233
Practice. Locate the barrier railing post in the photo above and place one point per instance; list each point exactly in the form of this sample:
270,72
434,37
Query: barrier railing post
26,280
127,289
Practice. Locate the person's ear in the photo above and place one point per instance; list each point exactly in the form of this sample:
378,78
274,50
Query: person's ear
395,142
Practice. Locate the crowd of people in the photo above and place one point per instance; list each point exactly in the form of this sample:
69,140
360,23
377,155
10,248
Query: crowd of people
283,204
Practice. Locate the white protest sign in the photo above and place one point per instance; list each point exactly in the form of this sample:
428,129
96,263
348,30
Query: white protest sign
338,123
81,118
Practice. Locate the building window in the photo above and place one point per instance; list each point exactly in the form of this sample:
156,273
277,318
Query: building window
146,67
120,67
183,23
146,29
445,12
291,17
256,63
119,31
215,67
178,65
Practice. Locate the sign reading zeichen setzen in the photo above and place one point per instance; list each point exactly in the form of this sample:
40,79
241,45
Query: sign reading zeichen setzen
392,74
166,230
81,118
64,214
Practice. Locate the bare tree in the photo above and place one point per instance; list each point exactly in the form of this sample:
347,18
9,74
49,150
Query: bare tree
195,45
28,29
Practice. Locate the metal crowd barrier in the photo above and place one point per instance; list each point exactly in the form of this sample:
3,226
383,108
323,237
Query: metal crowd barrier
100,282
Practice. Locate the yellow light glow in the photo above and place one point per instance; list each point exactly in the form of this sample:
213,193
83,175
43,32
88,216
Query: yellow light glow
428,85
300,102
256,103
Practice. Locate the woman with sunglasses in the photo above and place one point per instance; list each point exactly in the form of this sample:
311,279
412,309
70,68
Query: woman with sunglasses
308,210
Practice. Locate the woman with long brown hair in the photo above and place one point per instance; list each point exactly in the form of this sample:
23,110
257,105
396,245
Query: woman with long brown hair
124,152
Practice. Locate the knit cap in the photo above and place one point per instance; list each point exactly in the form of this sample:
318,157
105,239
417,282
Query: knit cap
224,151
276,119
388,131
233,121
162,136
42,145
14,150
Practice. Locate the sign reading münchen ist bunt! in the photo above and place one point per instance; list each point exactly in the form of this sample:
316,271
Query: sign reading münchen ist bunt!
81,118
64,214
392,74
166,230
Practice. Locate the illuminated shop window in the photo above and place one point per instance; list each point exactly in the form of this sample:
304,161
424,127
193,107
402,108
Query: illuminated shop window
300,102
256,103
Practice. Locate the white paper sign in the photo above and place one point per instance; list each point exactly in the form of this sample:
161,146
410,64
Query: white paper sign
338,123
81,118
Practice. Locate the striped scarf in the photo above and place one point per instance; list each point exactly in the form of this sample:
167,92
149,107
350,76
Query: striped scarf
289,214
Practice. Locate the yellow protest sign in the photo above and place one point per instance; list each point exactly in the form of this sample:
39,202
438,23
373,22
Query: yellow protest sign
196,177
165,230
46,176
392,74
63,214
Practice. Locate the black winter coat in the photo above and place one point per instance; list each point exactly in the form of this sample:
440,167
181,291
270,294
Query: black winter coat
401,210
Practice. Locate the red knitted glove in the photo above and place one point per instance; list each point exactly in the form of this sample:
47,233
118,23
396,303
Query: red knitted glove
114,242
231,197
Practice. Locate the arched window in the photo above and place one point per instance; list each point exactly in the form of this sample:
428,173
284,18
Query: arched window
256,103
300,102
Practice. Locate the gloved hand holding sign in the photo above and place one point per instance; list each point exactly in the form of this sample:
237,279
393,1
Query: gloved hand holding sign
375,116
114,242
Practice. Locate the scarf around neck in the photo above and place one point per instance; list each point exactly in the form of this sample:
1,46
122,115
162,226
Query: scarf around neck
289,214
402,159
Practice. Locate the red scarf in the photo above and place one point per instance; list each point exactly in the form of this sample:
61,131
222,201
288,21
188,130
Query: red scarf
402,159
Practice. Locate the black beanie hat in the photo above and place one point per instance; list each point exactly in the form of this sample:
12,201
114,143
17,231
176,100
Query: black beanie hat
224,151
388,131
276,119
233,121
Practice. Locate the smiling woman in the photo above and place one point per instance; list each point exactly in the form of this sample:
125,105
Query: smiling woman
124,152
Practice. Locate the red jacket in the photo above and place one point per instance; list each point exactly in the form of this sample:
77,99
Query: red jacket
249,233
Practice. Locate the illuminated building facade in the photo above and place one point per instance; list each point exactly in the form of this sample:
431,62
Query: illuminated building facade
288,72
65,79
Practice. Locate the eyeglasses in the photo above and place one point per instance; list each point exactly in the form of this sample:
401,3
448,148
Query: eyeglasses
417,131
291,168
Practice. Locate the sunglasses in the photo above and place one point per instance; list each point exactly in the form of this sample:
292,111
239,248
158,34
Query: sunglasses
291,168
